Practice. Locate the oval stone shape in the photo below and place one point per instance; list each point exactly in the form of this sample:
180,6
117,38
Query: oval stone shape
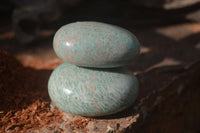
92,92
94,44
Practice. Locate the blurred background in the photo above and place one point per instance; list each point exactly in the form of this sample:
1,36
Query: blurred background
167,29
169,33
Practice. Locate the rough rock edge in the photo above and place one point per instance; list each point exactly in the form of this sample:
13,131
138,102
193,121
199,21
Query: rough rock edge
159,99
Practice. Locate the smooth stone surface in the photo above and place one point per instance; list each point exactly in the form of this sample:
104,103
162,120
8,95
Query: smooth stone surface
92,92
94,44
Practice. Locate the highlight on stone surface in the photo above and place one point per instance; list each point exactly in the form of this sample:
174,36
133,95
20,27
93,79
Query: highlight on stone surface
92,92
95,44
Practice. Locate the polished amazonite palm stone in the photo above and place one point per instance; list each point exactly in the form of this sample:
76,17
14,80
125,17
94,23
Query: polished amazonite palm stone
92,92
95,44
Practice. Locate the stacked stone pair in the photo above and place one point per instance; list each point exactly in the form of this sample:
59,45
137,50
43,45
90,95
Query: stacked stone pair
93,80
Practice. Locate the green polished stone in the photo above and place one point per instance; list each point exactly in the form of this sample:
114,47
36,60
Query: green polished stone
95,44
92,92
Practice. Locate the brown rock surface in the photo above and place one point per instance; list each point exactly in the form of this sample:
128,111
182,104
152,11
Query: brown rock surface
25,105
168,99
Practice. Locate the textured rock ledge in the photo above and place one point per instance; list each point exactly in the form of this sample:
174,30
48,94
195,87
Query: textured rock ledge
175,97
151,102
